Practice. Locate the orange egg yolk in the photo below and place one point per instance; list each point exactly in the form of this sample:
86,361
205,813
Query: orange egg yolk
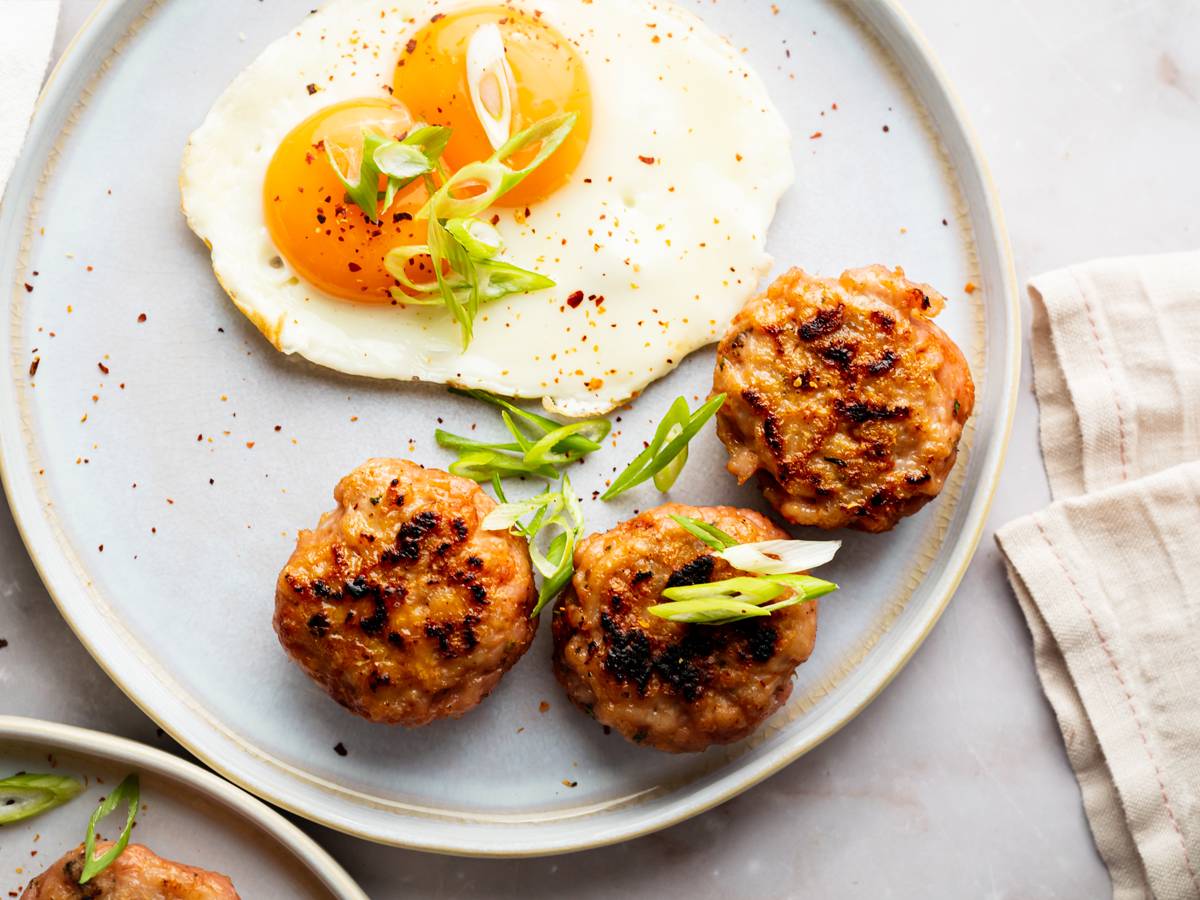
327,239
547,78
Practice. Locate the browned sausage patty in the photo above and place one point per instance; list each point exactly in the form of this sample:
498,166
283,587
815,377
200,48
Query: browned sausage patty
844,396
137,874
668,685
398,604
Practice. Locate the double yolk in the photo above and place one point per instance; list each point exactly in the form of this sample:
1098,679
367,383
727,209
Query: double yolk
328,240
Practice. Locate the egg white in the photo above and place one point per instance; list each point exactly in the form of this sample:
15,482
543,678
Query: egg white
674,247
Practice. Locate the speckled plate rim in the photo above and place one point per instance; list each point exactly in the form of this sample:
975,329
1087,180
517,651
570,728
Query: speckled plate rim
904,43
54,736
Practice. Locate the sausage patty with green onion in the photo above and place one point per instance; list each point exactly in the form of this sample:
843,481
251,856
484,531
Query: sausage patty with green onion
398,604
137,874
673,686
844,396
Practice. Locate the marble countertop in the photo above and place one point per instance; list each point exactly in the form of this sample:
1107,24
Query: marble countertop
954,783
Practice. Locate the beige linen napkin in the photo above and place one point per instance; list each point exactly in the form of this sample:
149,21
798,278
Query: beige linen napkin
1104,575
26,35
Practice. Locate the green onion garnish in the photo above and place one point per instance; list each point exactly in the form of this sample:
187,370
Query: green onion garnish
463,250
722,602
553,528
776,568
540,445
402,162
666,456
711,535
126,792
27,794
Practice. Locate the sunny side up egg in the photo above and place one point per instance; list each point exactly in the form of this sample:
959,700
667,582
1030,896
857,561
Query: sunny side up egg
651,218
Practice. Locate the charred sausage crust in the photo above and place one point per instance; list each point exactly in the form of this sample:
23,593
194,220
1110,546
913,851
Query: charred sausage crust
672,686
844,397
398,604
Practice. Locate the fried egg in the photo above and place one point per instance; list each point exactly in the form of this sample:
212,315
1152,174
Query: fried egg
651,218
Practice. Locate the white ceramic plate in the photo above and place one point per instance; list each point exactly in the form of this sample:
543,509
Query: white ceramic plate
185,814
169,583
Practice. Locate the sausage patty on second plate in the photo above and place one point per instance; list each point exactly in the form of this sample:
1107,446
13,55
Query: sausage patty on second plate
398,604
844,396
674,686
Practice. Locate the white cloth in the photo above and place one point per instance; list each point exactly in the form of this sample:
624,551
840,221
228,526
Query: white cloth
26,36
1104,575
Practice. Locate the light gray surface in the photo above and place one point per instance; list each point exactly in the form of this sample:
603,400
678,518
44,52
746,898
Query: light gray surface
954,783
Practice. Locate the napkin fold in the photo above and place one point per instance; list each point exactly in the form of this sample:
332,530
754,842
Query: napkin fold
1103,574
26,37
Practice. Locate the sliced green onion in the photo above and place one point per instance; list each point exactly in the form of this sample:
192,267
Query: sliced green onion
362,187
126,792
506,515
493,175
707,611
778,566
444,249
734,599
468,247
541,425
711,535
431,140
399,160
484,465
751,590
664,450
540,445
457,442
553,529
591,430
478,238
666,477
780,557
27,794
402,162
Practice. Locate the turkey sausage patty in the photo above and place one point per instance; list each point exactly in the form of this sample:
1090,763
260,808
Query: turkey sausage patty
137,874
844,396
673,686
398,604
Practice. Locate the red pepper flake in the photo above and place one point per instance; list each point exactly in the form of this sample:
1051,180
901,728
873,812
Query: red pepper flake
354,267
970,287
103,367
543,707
141,317
340,749
33,366
575,299
28,288
411,46
814,135
312,89
648,160
438,17
496,219
249,445
886,129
